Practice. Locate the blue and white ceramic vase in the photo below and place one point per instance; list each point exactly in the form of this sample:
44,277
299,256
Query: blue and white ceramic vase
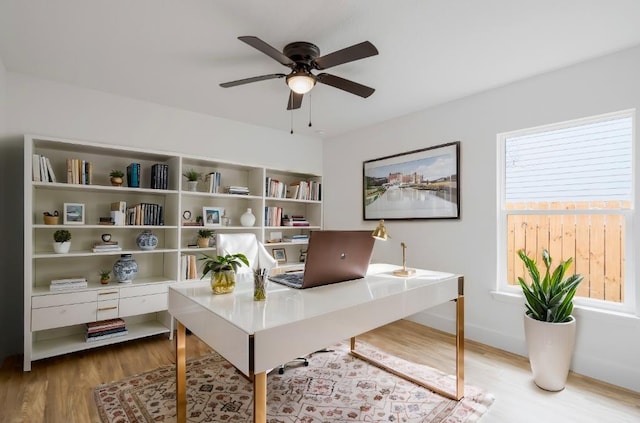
147,240
125,269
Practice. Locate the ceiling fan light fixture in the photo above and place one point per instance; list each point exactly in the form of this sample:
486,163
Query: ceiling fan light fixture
301,82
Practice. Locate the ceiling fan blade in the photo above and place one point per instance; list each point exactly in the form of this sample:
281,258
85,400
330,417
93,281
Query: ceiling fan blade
295,100
253,79
260,45
346,85
348,54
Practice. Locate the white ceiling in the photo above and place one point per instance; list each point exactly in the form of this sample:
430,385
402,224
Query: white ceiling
431,51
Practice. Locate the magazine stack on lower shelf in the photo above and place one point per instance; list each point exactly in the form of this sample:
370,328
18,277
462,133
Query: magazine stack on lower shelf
64,284
105,329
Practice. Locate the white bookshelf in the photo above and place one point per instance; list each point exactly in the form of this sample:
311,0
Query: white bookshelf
157,268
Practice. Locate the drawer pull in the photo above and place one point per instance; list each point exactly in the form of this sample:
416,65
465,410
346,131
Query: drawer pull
108,293
107,308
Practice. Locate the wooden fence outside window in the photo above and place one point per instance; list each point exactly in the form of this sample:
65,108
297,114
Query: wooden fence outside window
595,241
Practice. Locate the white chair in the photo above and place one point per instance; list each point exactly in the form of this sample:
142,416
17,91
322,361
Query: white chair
247,244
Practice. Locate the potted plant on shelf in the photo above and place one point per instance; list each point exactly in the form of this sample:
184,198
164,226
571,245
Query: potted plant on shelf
105,276
192,178
116,177
204,235
223,268
61,241
549,326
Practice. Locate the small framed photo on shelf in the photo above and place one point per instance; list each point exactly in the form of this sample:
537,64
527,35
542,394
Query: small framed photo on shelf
212,216
279,254
73,214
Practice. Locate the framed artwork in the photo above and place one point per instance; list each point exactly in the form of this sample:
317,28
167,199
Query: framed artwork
212,216
419,184
73,214
279,254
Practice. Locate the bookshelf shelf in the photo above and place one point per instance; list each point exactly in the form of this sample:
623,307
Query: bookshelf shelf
141,303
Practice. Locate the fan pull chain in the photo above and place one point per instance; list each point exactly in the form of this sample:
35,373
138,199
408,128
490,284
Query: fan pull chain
291,108
309,109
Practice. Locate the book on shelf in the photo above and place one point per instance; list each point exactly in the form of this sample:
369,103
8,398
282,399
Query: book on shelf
42,171
304,190
145,214
79,172
214,182
133,175
118,212
68,279
188,266
159,176
273,216
275,188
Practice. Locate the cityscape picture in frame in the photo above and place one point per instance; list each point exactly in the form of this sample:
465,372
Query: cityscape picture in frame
419,184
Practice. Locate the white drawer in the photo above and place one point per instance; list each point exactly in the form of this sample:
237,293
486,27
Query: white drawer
107,294
144,304
50,300
65,315
107,310
136,291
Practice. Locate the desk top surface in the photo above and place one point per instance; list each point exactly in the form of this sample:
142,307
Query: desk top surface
285,305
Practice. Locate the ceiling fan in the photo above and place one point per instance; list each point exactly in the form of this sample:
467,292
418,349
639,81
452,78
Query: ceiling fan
303,57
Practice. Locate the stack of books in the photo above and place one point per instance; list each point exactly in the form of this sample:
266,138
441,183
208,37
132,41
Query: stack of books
159,176
304,190
66,283
233,189
145,214
299,239
275,188
294,220
105,329
118,212
106,247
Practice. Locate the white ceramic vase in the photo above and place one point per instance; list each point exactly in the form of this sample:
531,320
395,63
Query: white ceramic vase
61,247
247,219
550,348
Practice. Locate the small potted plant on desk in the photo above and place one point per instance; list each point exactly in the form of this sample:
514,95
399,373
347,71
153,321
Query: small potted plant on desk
192,177
223,268
105,276
61,241
204,235
549,327
116,177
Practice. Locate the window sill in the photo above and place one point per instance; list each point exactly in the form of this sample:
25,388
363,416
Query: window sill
579,310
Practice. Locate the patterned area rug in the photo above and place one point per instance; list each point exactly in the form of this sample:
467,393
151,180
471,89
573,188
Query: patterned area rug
336,387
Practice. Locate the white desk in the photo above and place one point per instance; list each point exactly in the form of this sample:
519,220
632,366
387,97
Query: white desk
251,335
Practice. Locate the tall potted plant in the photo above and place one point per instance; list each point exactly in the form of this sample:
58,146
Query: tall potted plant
223,268
549,325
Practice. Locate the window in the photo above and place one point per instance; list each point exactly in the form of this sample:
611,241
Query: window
568,188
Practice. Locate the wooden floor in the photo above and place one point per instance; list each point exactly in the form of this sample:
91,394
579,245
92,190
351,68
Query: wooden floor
60,389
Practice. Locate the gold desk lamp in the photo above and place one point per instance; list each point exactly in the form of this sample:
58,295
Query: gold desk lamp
380,232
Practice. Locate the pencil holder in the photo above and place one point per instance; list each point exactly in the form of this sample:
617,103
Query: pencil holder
259,285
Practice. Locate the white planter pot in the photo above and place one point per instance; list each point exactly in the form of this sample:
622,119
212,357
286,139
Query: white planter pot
550,348
192,185
61,247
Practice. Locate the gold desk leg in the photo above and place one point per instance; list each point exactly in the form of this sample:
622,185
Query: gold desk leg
459,347
260,398
459,355
181,374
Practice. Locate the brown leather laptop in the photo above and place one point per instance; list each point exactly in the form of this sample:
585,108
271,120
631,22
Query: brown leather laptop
332,256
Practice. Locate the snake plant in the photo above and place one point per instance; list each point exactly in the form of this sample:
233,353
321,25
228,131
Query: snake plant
549,299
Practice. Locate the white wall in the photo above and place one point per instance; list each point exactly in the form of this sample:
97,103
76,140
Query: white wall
47,108
608,346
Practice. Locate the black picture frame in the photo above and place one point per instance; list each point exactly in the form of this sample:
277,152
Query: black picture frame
418,184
